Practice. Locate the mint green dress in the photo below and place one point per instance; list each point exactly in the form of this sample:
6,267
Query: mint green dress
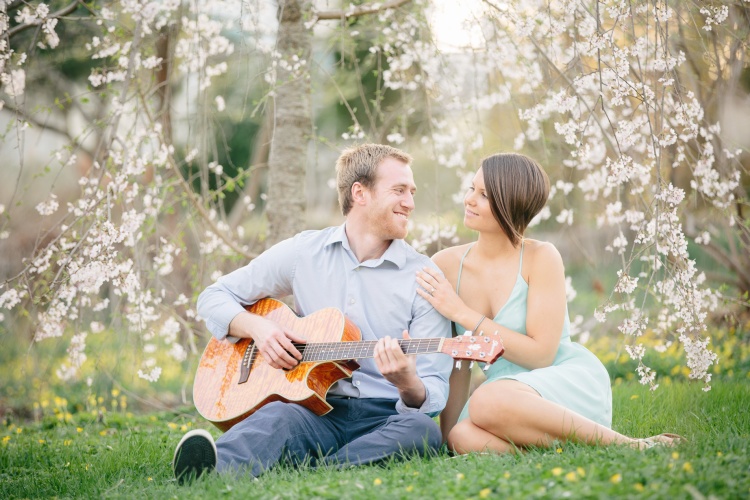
576,379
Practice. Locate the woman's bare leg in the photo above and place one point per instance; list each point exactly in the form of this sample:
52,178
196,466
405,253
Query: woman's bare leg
512,412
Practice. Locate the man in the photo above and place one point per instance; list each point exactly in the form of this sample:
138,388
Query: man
365,269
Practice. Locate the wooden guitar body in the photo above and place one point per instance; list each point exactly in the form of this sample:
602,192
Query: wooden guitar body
222,397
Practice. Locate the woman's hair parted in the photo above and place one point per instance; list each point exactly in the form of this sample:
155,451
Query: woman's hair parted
360,164
517,188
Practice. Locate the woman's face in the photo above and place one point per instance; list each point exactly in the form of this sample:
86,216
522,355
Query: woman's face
477,211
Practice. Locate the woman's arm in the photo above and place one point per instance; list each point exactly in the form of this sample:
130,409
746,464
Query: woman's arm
457,397
545,308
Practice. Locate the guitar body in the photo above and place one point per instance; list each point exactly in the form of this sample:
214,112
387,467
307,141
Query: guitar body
224,395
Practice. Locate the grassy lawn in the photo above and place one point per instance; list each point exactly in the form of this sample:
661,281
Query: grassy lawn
118,454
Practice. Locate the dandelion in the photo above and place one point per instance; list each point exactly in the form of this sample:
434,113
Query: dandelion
557,471
687,467
67,442
377,481
19,430
675,455
150,479
571,476
184,428
485,493
6,439
409,488
460,476
559,450
638,487
506,475
617,478
172,425
41,441
634,396
719,454
103,433
79,429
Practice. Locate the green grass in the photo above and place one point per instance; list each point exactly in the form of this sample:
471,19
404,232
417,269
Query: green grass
121,455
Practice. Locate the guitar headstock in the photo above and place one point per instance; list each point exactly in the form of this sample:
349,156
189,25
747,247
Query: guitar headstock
484,348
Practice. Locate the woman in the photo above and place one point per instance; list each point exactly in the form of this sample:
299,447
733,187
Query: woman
545,387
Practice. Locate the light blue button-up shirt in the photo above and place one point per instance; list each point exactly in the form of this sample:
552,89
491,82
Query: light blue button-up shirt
378,295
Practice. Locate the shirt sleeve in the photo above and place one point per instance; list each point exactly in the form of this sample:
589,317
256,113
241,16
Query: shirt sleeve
271,274
433,369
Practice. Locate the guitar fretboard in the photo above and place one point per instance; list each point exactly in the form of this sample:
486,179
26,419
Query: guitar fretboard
340,351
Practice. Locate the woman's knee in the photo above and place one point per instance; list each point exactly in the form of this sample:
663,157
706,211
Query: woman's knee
489,410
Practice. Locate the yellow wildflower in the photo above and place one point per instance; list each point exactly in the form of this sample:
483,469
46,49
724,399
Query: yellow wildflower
42,441
460,476
506,475
115,393
687,467
559,450
634,396
377,481
557,471
67,442
616,478
675,455
103,433
184,428
571,476
6,439
638,487
485,493
150,479
581,471
172,425
410,488
19,430
79,429
719,454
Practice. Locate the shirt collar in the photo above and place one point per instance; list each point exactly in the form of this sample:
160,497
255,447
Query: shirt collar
395,253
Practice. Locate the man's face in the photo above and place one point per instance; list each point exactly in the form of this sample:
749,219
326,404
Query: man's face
391,199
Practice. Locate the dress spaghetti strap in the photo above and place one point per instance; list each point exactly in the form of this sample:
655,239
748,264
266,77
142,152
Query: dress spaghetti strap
461,268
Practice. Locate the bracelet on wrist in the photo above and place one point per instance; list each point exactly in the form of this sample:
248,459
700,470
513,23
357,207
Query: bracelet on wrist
479,323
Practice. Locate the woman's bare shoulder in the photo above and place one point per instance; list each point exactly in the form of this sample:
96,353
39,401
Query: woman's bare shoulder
449,259
541,254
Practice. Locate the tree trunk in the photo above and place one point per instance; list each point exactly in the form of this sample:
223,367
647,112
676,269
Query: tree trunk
292,125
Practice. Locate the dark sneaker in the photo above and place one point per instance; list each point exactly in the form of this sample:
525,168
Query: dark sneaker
194,455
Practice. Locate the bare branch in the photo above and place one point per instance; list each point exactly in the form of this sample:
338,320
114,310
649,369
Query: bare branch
60,13
361,10
46,126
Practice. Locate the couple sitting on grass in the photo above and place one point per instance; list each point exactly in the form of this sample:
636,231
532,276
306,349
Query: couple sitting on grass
544,389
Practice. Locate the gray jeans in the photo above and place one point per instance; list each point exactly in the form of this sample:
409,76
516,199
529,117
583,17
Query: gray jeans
355,432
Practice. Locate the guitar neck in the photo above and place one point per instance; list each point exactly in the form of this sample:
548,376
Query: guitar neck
341,351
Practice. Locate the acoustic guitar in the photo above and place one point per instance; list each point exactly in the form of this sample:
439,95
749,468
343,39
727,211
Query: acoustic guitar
233,381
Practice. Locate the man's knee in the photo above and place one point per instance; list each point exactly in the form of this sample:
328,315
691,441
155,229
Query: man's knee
417,431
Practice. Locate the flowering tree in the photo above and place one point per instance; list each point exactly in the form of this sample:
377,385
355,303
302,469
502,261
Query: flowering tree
625,93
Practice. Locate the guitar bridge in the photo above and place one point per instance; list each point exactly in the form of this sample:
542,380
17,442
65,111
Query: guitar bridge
246,363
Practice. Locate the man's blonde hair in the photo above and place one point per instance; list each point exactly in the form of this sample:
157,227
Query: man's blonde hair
359,164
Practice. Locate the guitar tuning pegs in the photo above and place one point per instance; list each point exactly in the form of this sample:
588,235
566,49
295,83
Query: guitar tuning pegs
486,367
458,364
471,365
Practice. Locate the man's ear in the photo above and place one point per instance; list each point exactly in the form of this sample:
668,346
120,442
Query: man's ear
359,194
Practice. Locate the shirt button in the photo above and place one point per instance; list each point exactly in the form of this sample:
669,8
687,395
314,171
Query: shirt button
356,382
351,300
